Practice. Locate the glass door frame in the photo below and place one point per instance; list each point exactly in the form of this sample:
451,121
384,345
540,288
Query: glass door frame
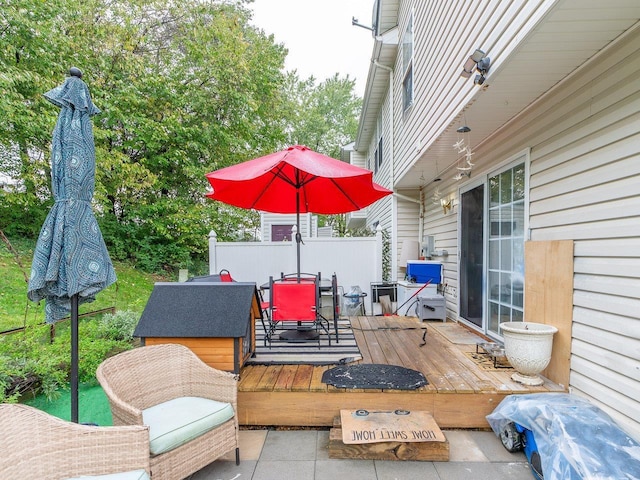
522,156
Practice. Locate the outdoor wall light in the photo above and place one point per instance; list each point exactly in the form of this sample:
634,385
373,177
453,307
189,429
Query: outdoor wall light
483,68
477,61
445,204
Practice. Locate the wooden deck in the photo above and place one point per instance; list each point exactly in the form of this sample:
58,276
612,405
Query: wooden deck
460,392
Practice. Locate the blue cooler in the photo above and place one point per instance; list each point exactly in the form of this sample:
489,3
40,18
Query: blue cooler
423,271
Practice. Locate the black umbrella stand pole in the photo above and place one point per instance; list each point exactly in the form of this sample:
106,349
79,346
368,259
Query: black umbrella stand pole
74,358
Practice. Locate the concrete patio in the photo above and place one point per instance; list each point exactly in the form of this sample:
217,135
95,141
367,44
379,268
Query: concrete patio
303,455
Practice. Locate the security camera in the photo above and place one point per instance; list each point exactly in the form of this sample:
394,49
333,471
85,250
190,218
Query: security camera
484,65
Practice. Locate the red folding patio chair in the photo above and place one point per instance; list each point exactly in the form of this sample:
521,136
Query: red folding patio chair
225,276
294,307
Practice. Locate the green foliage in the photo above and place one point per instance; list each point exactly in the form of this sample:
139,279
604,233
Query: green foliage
130,292
31,363
386,256
185,88
118,326
27,364
323,117
93,347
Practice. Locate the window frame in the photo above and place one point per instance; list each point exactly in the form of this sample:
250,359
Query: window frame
407,65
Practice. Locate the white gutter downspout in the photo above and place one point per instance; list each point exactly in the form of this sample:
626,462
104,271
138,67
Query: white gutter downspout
420,216
394,240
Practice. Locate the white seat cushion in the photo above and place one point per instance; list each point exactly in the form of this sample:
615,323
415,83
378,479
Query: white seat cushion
132,475
182,419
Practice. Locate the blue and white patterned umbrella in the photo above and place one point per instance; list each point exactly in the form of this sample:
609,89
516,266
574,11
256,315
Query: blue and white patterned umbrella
71,263
70,257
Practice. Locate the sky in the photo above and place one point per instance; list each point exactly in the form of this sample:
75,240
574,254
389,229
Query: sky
319,36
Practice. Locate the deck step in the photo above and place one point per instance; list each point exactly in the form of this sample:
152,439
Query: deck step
428,451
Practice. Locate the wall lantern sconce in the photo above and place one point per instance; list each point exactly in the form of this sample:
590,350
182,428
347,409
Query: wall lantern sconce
479,61
446,205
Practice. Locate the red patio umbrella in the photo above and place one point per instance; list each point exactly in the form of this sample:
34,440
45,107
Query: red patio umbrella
296,180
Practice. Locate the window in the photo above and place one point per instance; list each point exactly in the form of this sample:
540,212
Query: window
281,233
407,66
378,156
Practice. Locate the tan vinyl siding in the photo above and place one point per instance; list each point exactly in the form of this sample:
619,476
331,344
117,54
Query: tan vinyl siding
381,211
444,229
439,47
269,219
407,228
582,131
585,166
584,174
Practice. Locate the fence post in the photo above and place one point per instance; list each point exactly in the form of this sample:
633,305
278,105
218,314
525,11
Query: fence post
213,240
379,249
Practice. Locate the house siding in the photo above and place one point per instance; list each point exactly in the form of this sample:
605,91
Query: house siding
583,185
443,35
444,229
382,212
581,134
269,219
407,228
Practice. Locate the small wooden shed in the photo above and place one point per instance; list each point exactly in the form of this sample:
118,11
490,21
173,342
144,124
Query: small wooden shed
216,320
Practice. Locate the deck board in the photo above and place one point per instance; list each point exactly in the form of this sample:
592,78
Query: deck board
302,379
459,394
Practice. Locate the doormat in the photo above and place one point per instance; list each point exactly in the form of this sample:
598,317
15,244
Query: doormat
485,361
385,377
363,426
456,334
283,353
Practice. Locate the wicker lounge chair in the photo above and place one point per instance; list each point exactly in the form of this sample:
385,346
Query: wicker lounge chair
144,377
38,445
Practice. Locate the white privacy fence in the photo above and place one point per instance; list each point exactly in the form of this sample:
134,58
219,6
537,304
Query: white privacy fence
355,261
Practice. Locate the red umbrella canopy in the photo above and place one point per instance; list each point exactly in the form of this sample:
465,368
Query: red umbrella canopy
296,180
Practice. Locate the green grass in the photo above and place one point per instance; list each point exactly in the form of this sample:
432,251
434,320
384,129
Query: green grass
130,292
93,406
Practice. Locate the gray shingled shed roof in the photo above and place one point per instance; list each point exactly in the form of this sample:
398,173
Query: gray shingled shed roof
198,309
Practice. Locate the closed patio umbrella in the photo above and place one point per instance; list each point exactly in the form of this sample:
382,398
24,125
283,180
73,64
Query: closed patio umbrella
70,262
296,180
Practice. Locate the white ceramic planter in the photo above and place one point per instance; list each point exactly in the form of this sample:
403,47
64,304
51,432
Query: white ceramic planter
528,346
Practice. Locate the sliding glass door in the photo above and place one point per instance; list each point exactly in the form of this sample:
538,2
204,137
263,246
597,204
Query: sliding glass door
491,260
506,247
472,204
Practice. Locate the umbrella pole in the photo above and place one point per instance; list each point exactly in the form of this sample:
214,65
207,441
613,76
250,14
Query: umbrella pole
298,234
298,240
74,358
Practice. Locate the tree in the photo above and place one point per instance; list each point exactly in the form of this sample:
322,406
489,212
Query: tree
324,117
184,87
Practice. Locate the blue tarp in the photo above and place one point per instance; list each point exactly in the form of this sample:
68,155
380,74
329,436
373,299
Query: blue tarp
576,439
